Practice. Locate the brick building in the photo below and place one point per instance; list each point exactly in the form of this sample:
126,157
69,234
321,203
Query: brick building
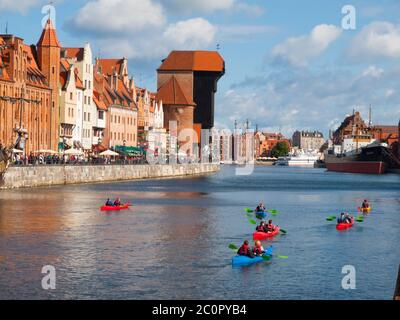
29,84
186,84
114,92
351,125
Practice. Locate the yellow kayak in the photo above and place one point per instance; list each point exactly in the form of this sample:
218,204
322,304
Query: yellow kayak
365,210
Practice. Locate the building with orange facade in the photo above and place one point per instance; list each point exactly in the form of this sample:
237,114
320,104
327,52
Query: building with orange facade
114,92
29,91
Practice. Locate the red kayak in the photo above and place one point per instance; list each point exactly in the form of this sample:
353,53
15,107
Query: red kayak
114,208
265,235
344,226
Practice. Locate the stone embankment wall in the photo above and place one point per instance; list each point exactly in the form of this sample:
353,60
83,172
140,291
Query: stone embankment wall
38,176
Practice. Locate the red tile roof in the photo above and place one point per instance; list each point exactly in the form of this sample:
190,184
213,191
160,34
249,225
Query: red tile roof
49,36
99,102
171,93
110,66
35,75
74,53
193,61
65,65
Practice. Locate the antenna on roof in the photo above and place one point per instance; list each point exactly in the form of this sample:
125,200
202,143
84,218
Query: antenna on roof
7,27
370,116
218,46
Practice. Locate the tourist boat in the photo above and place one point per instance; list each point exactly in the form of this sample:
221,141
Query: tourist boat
298,160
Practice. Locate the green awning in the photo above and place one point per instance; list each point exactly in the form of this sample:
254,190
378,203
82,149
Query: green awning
129,151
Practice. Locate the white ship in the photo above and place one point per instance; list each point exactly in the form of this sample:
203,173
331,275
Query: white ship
299,160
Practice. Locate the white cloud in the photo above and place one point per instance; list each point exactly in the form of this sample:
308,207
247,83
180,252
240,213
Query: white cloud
211,6
203,6
190,34
20,6
114,17
373,71
378,39
298,51
311,100
138,29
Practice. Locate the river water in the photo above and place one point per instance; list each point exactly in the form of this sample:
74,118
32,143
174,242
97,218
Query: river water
173,242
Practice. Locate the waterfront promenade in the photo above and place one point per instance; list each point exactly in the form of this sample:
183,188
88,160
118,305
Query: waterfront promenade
51,175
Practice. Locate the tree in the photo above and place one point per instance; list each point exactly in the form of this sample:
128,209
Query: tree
281,149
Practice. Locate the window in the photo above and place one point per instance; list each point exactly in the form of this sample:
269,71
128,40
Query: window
71,95
88,116
101,115
53,70
84,116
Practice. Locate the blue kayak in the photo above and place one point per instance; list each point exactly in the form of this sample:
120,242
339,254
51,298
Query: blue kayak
244,260
261,214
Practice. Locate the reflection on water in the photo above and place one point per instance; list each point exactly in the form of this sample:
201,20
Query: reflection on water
173,242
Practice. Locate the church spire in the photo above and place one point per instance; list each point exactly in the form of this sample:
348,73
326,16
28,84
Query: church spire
49,36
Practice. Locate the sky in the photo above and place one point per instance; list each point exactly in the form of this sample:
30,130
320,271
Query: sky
290,64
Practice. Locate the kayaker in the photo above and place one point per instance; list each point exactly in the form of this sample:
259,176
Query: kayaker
341,218
117,202
244,250
348,218
260,207
365,204
258,249
269,227
261,227
109,203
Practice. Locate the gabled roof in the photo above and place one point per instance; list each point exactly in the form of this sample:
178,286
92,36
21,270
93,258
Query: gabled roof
110,66
65,69
193,61
71,53
99,102
49,36
171,93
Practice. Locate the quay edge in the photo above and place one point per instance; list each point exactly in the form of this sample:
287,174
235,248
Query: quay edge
46,176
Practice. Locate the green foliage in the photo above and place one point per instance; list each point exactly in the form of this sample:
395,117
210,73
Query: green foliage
281,149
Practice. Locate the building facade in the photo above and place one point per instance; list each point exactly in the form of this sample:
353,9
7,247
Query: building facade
308,140
114,92
186,83
29,95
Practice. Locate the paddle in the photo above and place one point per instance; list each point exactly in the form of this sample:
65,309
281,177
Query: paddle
252,221
283,231
248,210
233,247
331,218
360,219
273,212
268,257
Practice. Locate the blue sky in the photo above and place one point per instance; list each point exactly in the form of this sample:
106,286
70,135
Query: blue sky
290,65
